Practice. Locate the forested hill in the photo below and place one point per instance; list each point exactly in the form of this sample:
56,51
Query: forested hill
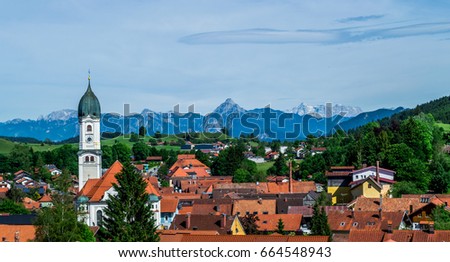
439,108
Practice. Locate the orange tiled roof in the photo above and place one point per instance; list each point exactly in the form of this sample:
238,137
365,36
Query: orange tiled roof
30,204
24,233
95,189
388,204
212,208
346,220
169,205
188,164
261,206
270,222
46,198
363,235
250,238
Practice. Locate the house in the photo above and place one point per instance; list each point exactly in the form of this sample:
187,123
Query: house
91,200
53,169
30,204
317,150
46,201
272,156
221,223
254,206
187,166
269,223
346,184
338,183
169,209
342,222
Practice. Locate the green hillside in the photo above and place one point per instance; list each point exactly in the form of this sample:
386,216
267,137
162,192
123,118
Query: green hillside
5,146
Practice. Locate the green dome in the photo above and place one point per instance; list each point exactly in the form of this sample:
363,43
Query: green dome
82,199
89,104
153,198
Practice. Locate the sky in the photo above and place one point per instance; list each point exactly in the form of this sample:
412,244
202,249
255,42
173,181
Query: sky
157,54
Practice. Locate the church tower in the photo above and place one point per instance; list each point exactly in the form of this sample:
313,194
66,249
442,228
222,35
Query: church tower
89,154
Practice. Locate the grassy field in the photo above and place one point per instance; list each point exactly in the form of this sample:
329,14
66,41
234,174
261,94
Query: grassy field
5,146
446,127
264,166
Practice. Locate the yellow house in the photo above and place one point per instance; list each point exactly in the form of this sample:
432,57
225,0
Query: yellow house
368,188
236,227
338,184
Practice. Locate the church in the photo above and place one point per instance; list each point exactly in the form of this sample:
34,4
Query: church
95,187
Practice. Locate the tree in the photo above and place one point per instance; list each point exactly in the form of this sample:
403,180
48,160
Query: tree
280,227
107,156
249,224
10,207
60,223
15,194
21,157
121,152
142,131
416,171
404,187
140,150
134,137
128,216
439,178
441,218
319,222
279,167
241,176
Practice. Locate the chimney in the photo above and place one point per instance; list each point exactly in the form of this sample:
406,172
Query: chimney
431,227
353,213
380,210
389,227
188,221
17,237
411,209
224,221
378,172
290,178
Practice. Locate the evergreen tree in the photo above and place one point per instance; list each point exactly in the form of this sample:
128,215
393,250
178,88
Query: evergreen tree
280,227
59,223
319,222
128,217
441,218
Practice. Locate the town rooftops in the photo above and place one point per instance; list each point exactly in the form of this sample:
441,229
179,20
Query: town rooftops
270,222
248,238
17,233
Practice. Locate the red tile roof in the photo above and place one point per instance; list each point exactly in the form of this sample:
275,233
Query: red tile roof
95,189
169,205
19,233
261,206
270,222
346,220
30,204
251,238
46,198
364,235
388,204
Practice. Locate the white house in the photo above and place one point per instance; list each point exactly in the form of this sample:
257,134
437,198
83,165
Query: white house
91,200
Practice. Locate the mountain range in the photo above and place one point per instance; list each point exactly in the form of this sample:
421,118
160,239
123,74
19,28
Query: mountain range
265,123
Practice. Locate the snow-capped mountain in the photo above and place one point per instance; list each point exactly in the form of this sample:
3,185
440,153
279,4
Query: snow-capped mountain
320,110
61,115
228,107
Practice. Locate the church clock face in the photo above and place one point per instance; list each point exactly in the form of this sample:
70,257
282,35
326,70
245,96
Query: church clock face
89,139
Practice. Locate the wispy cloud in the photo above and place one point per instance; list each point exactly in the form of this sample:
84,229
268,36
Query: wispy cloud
360,18
305,36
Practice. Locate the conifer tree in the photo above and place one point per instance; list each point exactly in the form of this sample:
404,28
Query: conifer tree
319,222
128,216
59,223
280,227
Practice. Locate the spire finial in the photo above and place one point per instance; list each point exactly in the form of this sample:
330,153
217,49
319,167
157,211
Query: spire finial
89,74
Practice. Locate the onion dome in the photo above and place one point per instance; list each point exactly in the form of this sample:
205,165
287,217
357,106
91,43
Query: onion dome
89,104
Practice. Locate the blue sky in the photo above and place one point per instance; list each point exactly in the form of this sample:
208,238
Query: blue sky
156,54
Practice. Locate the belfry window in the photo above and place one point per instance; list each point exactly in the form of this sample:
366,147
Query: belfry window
92,159
86,159
89,128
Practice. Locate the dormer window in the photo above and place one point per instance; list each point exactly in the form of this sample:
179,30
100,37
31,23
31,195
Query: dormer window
342,224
